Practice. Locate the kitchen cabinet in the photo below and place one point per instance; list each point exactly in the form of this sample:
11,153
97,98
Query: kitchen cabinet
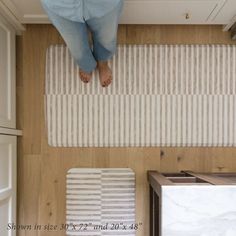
144,11
8,132
190,203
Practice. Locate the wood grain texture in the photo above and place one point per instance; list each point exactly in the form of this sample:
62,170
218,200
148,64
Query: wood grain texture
42,169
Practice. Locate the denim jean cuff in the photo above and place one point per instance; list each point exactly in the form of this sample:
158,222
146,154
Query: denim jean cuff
88,68
103,56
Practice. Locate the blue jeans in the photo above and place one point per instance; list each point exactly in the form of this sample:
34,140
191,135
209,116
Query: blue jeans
75,34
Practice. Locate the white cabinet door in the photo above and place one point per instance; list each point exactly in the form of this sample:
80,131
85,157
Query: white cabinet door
169,11
7,184
7,75
226,14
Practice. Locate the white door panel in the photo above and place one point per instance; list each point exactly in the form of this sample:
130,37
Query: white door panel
7,75
5,166
5,208
7,183
227,12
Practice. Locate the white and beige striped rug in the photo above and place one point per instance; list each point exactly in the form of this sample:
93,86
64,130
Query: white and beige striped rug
162,95
100,197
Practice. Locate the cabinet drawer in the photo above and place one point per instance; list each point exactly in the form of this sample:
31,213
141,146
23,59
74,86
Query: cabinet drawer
168,12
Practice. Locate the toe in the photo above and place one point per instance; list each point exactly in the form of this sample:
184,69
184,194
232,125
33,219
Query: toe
109,81
84,77
105,75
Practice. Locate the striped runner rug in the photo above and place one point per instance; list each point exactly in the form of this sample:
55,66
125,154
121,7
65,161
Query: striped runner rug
100,202
161,95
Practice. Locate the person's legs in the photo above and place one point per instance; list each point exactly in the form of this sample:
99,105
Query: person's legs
75,35
104,32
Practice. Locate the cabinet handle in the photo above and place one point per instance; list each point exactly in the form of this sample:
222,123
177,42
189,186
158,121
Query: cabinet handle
187,16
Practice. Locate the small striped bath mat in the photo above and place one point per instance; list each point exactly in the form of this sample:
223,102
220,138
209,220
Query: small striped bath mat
161,95
100,202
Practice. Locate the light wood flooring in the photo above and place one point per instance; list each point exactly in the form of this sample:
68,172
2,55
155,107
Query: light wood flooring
42,169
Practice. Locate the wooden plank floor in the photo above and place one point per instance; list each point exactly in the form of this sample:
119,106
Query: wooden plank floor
42,169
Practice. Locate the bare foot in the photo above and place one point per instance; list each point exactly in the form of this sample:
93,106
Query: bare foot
105,74
84,76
